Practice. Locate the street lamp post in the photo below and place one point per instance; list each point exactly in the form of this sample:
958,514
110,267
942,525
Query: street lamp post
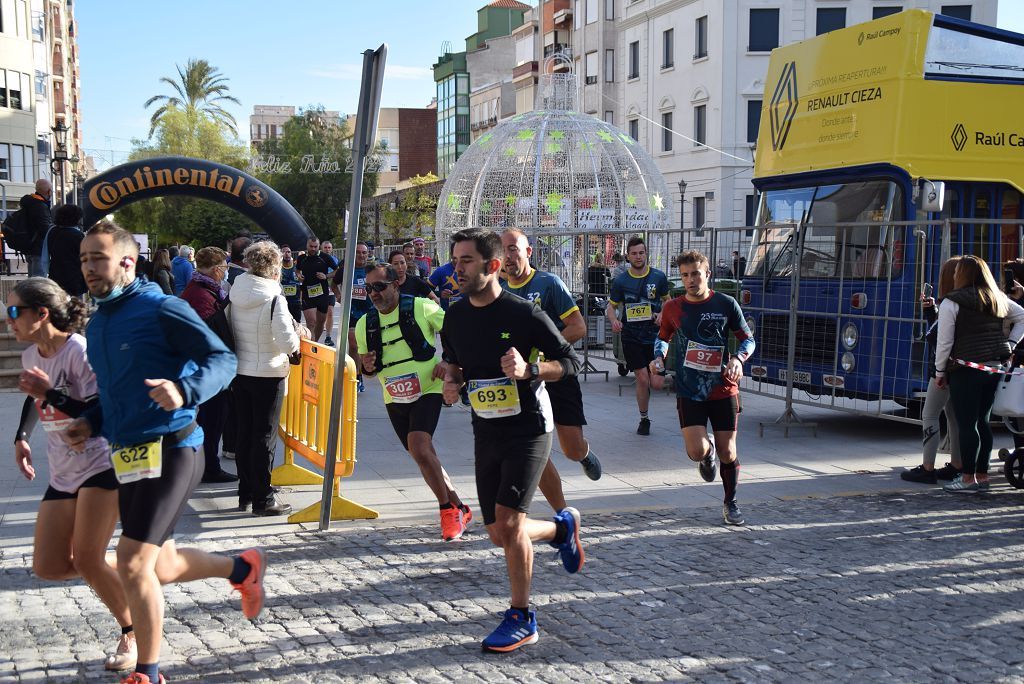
74,179
682,211
60,154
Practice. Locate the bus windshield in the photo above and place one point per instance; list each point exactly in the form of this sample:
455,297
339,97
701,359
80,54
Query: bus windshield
829,251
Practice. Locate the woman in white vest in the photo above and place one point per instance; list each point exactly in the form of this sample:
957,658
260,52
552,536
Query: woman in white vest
264,337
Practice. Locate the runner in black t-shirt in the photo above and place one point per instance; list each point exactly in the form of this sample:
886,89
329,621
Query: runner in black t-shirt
409,283
488,339
312,269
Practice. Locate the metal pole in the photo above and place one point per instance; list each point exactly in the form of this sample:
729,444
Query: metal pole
362,144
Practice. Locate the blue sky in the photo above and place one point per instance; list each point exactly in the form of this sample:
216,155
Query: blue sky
278,53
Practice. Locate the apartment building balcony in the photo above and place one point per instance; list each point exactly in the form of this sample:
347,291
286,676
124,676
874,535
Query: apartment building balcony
524,71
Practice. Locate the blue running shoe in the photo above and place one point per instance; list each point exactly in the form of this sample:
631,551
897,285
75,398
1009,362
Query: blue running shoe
514,631
571,550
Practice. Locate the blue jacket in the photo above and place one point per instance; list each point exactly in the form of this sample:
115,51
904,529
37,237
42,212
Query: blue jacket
145,334
181,269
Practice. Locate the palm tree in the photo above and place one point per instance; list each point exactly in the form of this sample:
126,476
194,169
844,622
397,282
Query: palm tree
200,89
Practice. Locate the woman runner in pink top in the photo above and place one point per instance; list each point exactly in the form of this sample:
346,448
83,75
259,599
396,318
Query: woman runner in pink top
79,509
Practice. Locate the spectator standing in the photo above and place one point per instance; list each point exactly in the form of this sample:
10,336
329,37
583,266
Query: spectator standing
37,213
971,319
181,268
237,265
739,265
619,265
206,296
162,275
264,338
936,401
597,277
1013,274
64,241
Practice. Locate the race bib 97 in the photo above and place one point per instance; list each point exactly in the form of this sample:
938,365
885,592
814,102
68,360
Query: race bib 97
703,358
139,462
495,398
314,291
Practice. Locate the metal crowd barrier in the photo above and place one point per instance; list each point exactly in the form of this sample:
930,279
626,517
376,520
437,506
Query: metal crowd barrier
303,429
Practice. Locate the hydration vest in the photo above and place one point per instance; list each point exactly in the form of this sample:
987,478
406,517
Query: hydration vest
411,333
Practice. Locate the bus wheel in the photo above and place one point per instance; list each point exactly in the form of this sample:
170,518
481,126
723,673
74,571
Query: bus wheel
1014,469
623,371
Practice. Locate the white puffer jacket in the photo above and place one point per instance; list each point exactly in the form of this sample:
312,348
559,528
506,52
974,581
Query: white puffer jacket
262,345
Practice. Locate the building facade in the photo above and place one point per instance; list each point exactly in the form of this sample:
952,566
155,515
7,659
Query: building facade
688,81
39,88
480,63
407,135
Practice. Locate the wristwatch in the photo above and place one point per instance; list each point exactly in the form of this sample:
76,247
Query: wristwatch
534,371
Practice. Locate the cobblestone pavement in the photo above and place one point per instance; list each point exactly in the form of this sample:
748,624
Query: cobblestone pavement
909,587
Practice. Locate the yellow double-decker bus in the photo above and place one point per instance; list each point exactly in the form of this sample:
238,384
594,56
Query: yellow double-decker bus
883,148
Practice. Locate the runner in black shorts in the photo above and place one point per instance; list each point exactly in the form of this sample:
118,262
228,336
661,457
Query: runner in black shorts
312,268
634,310
706,373
548,292
168,362
412,387
488,338
78,513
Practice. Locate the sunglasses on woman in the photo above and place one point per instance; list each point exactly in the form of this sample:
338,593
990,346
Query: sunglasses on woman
14,311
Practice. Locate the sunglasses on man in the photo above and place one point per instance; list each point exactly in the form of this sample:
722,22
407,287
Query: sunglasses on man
378,287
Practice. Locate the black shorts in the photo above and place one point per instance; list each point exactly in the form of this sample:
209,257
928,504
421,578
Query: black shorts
508,471
566,401
104,480
331,300
151,508
419,416
319,303
637,354
721,412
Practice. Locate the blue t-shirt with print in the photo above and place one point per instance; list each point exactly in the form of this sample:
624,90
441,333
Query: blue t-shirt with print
443,278
548,292
638,299
361,303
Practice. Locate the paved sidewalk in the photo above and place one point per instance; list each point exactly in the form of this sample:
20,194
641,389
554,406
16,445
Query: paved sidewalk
922,587
844,571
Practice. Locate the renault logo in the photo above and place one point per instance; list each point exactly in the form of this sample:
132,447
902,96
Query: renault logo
959,137
783,106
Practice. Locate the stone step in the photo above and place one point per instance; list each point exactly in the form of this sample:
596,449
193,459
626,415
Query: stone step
8,343
9,377
10,360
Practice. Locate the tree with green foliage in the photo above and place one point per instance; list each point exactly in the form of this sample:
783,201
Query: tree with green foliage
185,219
307,165
416,210
200,92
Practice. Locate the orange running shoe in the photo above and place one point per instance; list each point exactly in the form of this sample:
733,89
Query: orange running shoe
452,525
467,516
251,587
139,678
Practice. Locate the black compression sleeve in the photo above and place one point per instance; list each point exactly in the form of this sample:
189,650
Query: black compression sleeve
72,407
29,418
